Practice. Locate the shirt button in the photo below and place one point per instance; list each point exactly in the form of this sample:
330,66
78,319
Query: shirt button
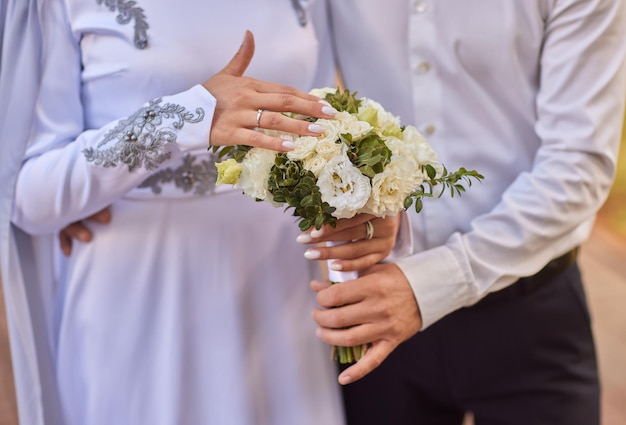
423,68
420,6
429,130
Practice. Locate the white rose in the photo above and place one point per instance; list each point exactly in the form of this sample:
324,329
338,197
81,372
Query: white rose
329,148
332,129
352,125
314,164
322,92
388,123
305,147
256,166
344,187
391,187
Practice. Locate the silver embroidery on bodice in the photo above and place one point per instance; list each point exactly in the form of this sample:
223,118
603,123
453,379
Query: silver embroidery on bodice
140,138
127,11
200,177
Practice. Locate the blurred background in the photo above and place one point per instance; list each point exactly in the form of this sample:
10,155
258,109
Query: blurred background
603,264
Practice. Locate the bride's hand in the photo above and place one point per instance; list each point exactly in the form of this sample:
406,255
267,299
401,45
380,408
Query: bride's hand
359,252
244,104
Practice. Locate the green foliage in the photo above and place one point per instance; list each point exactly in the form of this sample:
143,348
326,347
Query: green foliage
343,100
291,184
236,152
454,182
369,154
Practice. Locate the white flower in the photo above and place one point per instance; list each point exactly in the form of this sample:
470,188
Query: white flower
305,147
332,129
314,164
391,187
387,123
344,187
255,171
420,149
322,92
350,124
329,148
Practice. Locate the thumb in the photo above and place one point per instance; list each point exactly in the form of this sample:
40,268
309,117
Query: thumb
239,63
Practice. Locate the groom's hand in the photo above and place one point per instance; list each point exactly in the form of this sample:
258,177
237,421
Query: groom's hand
377,308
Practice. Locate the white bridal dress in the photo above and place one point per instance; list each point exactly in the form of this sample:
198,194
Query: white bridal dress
192,306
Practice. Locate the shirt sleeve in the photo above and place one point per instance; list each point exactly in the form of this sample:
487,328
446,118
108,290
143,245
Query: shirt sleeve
550,209
69,172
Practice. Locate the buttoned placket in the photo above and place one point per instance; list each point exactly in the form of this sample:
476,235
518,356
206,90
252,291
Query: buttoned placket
427,91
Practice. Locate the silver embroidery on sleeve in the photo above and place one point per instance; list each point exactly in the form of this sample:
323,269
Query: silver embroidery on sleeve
199,177
140,138
127,11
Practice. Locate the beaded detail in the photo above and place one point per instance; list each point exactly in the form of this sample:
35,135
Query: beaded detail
199,177
127,11
140,138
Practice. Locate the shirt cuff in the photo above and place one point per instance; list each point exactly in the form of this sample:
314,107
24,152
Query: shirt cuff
439,282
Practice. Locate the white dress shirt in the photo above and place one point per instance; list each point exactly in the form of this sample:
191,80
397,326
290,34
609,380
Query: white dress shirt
528,92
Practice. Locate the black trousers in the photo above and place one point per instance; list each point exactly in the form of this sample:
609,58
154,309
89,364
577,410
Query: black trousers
524,355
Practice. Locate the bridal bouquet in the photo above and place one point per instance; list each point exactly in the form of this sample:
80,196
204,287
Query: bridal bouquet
365,162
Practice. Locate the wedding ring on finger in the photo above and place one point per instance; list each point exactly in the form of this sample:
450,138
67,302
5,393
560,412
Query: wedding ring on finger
259,114
369,230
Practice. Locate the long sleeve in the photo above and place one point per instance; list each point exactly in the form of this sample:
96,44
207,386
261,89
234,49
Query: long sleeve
69,172
550,208
529,93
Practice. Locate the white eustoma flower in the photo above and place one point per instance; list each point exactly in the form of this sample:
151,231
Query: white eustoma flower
344,187
255,171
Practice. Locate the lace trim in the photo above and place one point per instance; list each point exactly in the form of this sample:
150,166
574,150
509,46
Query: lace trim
127,11
140,141
200,177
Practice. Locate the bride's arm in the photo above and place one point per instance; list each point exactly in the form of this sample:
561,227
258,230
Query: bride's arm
70,173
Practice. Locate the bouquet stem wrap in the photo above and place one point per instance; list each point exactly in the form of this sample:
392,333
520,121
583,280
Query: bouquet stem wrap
344,355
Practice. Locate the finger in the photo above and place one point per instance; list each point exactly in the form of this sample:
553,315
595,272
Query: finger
347,326
102,217
345,229
341,294
373,358
357,264
277,121
78,231
286,99
317,285
239,63
66,243
349,250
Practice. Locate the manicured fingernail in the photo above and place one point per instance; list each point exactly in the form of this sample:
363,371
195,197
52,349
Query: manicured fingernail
303,238
316,128
318,332
312,254
336,266
329,110
288,144
317,233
